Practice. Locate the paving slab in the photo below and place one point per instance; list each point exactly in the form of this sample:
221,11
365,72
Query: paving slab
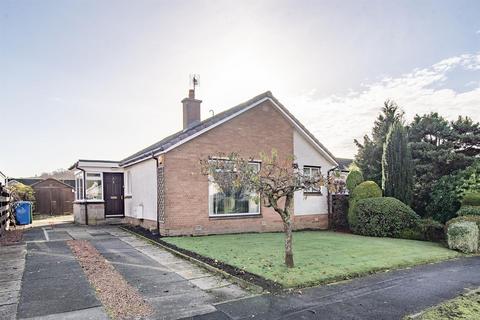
8,312
210,282
229,292
12,285
96,313
9,297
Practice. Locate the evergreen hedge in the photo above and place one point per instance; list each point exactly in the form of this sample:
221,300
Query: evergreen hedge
383,217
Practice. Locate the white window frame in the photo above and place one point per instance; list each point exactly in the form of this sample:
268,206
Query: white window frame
80,177
210,203
78,192
312,191
128,183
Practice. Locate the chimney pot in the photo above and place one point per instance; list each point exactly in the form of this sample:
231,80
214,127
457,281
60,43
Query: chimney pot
191,94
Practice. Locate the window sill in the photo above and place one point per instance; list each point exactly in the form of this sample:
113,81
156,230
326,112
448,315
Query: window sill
89,201
235,216
307,194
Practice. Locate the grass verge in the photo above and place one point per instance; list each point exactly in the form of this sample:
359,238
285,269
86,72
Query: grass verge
465,307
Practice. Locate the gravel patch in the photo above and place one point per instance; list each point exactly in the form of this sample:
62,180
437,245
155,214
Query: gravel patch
121,300
11,237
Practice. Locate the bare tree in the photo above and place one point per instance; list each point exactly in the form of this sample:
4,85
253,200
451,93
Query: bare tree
275,182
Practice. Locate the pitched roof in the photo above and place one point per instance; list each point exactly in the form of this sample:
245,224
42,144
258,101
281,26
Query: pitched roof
67,183
344,163
33,181
211,122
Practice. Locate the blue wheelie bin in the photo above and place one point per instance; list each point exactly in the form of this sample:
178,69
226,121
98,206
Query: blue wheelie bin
23,212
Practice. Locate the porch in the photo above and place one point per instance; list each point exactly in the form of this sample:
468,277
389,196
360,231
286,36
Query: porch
99,192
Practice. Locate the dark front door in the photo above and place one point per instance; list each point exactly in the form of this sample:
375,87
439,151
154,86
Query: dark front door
113,194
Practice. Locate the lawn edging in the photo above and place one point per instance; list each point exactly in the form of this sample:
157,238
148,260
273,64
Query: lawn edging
255,283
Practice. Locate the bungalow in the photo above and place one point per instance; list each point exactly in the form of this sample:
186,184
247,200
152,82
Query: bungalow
161,187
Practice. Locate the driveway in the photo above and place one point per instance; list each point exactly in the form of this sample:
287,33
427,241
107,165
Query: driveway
54,285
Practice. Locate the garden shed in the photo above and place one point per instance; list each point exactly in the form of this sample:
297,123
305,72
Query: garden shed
53,197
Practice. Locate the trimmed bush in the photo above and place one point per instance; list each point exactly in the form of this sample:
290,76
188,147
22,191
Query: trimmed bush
426,230
383,217
354,178
469,211
471,199
463,236
364,190
475,219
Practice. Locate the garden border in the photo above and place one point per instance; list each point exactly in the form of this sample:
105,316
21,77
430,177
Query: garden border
239,276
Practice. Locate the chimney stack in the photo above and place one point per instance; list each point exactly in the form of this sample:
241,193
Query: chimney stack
191,110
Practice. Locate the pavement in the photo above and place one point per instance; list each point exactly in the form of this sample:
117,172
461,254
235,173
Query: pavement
12,264
388,295
54,285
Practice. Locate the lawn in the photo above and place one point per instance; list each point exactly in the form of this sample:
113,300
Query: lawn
320,256
464,307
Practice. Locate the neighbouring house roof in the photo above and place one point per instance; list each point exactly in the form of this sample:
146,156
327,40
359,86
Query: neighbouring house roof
67,183
175,139
33,181
25,181
344,163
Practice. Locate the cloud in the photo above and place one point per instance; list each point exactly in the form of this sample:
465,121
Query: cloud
338,119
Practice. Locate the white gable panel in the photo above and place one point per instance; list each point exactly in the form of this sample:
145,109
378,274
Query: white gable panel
307,155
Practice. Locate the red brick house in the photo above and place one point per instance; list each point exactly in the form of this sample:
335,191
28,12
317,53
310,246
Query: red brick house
162,186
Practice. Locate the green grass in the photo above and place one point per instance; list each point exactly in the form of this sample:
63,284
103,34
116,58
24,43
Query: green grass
464,307
320,256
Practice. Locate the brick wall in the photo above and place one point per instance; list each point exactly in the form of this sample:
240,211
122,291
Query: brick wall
186,189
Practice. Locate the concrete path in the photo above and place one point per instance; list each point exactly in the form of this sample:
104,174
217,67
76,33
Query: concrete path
54,285
390,295
12,264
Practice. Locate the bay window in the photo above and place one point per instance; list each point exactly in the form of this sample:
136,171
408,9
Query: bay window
233,202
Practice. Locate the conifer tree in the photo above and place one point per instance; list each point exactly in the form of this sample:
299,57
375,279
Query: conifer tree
397,165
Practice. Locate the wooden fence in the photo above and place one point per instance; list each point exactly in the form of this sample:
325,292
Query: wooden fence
4,206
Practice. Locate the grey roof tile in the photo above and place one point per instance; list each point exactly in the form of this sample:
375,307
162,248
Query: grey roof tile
184,134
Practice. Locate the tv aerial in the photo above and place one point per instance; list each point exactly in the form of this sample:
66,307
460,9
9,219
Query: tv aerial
194,81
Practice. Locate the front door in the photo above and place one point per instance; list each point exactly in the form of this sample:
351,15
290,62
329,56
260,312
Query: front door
113,194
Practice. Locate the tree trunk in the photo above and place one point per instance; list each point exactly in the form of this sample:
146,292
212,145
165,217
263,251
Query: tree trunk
287,226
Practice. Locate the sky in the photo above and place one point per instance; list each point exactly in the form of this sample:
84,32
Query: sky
102,79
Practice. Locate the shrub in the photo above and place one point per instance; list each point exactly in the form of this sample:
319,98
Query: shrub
475,219
471,199
383,217
445,200
354,178
463,236
426,230
469,211
364,190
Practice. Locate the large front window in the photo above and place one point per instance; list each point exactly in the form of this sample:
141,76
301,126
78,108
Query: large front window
93,187
232,202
